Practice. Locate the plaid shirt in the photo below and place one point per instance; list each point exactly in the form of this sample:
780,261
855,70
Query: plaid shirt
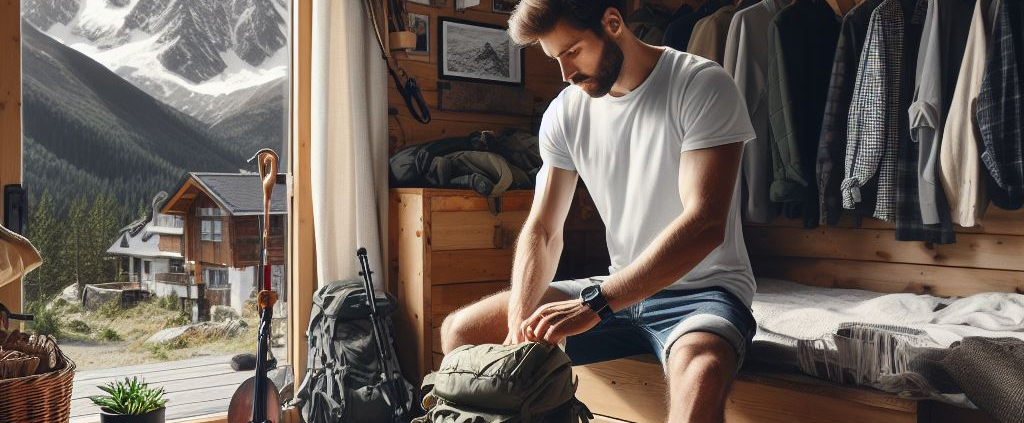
873,131
1001,109
832,142
910,224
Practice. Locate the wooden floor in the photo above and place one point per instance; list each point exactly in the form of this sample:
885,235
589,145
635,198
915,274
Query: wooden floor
195,387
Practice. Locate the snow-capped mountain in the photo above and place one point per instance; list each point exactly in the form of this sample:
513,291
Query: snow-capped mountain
199,56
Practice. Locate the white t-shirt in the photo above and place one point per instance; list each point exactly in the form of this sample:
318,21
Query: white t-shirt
627,150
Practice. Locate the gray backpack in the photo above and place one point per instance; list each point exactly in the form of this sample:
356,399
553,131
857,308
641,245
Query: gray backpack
343,381
525,383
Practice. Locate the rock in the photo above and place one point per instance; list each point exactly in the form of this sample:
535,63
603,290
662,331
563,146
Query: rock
70,294
233,327
205,330
168,335
219,313
243,362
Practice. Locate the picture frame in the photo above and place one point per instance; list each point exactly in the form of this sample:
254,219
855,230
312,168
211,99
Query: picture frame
504,6
433,3
420,25
477,52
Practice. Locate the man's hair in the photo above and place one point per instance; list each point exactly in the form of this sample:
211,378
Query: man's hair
534,18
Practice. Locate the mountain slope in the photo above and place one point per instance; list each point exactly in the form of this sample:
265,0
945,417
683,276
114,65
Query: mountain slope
195,55
82,118
257,122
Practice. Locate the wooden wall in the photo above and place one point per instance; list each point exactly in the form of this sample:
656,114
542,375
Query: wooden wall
987,258
10,117
542,79
200,251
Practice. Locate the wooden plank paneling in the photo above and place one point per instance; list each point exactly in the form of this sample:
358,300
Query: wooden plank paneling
996,221
461,266
517,200
475,230
10,118
971,250
542,80
412,321
634,390
889,277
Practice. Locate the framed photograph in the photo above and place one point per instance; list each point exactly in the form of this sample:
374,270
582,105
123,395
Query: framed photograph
420,25
435,3
504,6
472,51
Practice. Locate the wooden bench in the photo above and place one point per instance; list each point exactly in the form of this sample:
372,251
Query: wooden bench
448,249
633,390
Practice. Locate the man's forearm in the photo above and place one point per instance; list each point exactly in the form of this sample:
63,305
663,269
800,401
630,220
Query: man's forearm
534,265
677,250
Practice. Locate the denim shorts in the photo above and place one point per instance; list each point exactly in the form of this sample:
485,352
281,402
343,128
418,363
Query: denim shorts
652,325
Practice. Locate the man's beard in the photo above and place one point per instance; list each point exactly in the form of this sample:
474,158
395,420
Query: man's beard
608,69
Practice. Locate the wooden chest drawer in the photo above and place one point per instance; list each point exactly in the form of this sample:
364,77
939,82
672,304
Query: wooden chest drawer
448,249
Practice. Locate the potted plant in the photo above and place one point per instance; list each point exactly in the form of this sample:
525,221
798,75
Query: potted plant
130,401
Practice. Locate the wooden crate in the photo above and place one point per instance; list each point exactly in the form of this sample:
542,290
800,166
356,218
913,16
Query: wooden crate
448,249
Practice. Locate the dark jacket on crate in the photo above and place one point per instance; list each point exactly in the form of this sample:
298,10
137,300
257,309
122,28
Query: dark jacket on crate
483,161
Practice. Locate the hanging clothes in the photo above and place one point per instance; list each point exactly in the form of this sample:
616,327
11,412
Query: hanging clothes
942,48
708,39
1001,108
959,157
909,222
649,22
802,42
832,142
873,124
679,30
746,59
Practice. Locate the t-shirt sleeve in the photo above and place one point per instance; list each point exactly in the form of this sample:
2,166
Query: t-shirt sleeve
713,112
554,149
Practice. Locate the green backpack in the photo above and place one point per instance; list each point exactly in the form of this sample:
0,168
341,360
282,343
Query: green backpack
489,383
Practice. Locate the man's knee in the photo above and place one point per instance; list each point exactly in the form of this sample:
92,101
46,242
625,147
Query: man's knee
703,357
453,331
473,324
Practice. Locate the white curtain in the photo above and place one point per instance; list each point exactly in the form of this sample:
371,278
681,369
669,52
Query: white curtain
349,141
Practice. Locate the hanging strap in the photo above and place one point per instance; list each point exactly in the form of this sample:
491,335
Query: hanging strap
410,91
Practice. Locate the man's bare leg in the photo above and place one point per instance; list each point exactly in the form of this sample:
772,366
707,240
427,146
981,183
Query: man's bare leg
701,367
485,321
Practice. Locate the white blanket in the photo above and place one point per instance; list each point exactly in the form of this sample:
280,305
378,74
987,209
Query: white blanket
788,311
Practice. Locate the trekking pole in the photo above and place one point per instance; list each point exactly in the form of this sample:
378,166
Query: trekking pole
390,378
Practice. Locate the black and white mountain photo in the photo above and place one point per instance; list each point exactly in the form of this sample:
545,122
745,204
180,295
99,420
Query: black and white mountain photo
479,52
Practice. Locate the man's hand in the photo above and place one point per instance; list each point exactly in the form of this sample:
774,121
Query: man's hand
553,322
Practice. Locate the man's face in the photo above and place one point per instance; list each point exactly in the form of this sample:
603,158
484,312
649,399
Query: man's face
591,61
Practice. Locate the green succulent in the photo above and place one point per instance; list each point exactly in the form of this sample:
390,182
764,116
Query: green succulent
131,397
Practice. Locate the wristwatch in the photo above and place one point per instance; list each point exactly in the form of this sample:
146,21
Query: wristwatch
593,298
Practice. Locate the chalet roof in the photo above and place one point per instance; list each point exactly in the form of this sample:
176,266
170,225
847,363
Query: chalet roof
144,242
238,194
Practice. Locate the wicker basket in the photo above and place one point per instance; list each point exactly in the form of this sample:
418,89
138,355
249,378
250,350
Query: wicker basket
43,398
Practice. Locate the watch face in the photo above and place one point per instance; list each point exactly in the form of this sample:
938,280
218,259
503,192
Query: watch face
590,292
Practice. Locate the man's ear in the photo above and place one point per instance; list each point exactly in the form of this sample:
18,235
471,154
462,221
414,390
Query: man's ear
613,23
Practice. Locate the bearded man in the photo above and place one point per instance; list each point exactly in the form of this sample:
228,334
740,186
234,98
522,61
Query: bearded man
657,136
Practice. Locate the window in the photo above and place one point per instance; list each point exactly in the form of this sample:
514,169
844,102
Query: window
211,230
176,266
170,125
216,278
209,211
